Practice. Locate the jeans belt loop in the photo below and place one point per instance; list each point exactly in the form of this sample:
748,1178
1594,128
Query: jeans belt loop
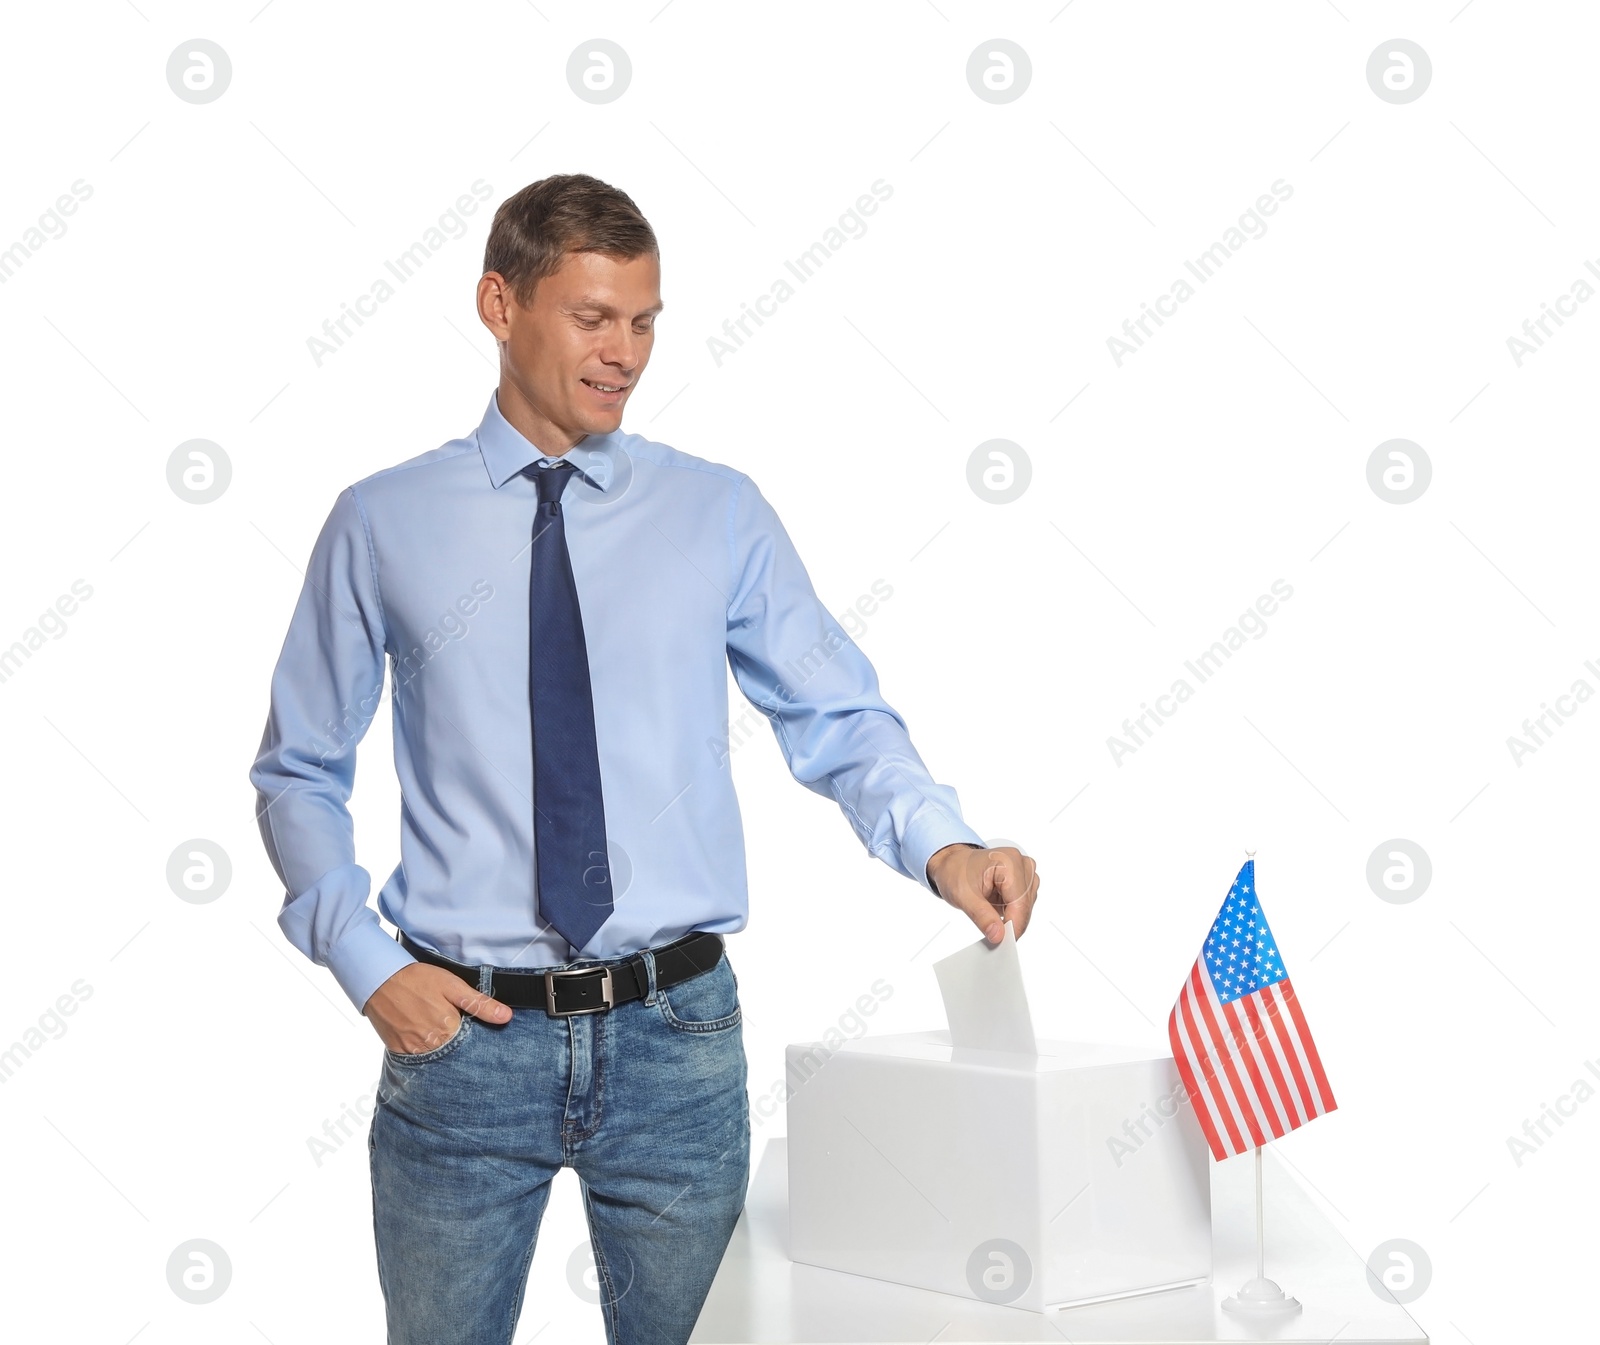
650,972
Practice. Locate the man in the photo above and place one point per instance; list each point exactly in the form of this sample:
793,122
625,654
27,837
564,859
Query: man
556,601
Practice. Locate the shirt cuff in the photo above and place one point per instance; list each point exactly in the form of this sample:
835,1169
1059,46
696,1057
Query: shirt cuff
331,923
928,832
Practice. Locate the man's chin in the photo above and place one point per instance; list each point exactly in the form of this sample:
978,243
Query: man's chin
601,422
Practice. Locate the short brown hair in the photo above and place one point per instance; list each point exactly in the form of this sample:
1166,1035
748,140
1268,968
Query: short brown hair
535,229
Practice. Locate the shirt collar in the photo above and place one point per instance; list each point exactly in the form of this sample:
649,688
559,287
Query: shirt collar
506,451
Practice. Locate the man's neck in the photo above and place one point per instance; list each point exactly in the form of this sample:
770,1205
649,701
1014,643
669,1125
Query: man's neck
538,430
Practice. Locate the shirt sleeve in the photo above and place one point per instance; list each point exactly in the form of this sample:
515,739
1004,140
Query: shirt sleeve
820,694
326,688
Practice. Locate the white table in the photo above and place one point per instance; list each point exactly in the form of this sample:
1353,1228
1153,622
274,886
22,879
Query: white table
760,1297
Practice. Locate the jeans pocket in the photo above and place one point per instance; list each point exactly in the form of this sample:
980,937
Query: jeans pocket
423,1057
708,1002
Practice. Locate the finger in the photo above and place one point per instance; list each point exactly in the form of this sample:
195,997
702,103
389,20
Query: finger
1021,911
478,1004
1012,888
1024,914
984,914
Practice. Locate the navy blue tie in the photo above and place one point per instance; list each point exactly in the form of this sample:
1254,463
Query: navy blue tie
569,821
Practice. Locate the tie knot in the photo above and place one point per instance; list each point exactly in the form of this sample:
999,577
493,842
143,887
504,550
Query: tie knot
551,480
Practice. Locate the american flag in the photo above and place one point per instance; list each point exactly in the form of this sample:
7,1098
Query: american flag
1241,1043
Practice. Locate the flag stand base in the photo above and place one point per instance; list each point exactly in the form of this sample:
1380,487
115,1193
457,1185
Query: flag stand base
1261,1298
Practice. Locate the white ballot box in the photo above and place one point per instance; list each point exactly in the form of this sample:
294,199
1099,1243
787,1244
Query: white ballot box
980,1161
1064,1177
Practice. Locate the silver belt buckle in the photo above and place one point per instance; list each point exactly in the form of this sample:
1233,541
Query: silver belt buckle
606,997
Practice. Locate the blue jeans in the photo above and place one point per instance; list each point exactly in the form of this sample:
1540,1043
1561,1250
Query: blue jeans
646,1102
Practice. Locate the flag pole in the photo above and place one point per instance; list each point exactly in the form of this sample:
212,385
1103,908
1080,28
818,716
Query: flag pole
1261,1238
1260,1297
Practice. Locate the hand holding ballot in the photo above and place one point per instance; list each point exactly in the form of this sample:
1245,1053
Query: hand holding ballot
991,885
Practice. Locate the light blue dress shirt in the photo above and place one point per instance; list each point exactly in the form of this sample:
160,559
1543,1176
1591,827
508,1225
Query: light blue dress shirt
421,570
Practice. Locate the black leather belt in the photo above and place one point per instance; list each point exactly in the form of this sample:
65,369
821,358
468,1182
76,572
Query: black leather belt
592,989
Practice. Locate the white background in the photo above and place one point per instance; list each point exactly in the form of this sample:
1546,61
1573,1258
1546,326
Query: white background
1229,452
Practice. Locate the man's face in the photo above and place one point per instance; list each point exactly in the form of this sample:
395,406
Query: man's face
589,327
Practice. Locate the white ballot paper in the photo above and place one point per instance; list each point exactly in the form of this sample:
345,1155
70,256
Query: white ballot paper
984,1000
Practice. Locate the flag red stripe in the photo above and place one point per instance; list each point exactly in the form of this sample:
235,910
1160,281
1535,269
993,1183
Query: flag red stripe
1229,1086
1269,1052
1308,1104
1315,1061
1220,1042
1180,1056
1254,1104
1262,1097
1186,1001
1211,1100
